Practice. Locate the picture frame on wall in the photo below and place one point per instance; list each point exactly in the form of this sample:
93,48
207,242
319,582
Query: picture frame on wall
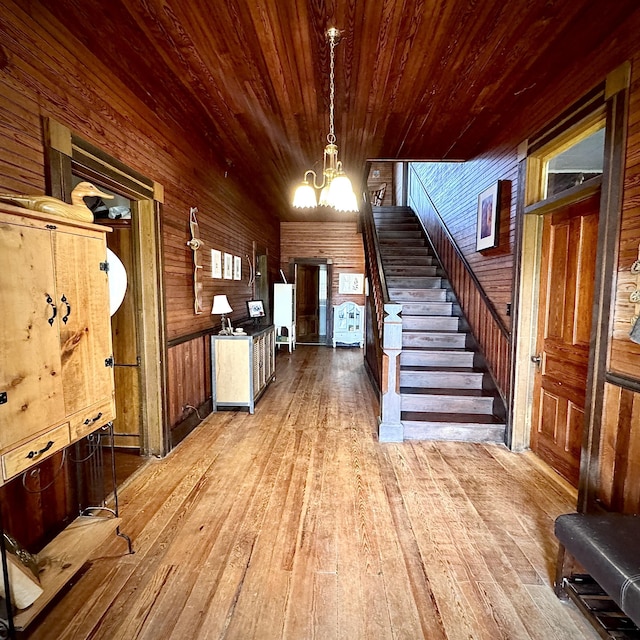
351,283
227,266
216,263
488,225
237,268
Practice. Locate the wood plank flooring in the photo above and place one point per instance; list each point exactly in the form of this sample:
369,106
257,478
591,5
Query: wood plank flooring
296,523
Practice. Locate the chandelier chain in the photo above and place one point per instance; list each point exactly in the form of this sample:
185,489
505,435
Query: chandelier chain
331,137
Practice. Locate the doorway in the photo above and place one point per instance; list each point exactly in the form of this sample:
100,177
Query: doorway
138,326
313,300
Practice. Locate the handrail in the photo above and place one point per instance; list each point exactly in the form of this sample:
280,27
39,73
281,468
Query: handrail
461,257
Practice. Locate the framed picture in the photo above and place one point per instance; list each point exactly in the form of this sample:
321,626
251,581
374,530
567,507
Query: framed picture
351,283
237,268
255,308
228,266
216,263
488,218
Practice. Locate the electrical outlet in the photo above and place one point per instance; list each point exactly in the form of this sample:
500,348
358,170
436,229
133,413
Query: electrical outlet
508,308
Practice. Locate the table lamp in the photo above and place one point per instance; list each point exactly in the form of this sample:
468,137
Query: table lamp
221,307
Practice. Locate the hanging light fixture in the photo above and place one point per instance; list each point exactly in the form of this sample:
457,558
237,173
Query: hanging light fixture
335,188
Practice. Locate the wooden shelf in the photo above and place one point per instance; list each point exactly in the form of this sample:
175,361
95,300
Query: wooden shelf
63,557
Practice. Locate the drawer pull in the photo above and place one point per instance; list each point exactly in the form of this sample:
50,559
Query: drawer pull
36,454
92,420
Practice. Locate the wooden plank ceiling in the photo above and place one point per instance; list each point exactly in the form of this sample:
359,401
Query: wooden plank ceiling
416,79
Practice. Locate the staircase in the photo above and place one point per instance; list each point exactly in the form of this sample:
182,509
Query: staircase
445,393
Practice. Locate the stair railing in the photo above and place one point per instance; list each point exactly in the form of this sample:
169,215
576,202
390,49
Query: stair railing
385,347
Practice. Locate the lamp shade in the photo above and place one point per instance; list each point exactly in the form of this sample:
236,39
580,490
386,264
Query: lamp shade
305,196
220,305
341,194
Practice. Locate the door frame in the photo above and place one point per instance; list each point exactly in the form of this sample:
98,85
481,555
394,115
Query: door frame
317,262
609,101
66,152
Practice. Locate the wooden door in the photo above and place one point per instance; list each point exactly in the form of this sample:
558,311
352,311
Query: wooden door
85,331
570,236
29,343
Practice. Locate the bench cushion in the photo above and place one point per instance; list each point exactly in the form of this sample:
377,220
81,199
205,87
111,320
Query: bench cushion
608,547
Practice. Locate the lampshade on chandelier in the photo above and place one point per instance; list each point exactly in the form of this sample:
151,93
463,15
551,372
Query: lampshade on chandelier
335,188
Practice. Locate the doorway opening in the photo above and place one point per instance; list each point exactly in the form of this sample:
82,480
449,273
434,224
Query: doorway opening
138,331
313,300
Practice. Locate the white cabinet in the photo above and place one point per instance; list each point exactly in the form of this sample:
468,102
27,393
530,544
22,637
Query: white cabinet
348,324
241,367
284,314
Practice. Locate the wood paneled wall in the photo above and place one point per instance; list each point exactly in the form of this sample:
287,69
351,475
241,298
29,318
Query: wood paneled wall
340,242
44,72
454,189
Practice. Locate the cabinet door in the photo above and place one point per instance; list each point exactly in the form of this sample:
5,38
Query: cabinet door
29,344
85,329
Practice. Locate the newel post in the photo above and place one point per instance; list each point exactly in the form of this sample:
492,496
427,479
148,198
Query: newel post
390,428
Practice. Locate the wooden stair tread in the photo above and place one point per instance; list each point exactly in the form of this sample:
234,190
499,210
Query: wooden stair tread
434,369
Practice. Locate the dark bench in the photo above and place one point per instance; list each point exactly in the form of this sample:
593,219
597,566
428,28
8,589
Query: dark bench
607,548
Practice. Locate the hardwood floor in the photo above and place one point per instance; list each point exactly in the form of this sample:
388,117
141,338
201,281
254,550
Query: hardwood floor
296,523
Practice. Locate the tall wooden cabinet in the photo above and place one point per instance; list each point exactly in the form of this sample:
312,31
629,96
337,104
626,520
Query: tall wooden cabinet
56,379
56,375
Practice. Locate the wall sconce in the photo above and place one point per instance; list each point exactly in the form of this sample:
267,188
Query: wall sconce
221,307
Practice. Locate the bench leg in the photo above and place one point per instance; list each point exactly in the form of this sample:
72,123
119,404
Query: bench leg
560,572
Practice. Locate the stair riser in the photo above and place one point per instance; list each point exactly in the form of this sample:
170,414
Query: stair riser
437,358
429,323
407,282
418,295
433,340
427,308
398,234
395,260
462,404
411,271
398,243
454,432
441,379
383,227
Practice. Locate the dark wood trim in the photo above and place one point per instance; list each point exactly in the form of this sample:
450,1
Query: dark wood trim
624,382
515,303
174,342
483,295
102,159
574,194
606,267
584,107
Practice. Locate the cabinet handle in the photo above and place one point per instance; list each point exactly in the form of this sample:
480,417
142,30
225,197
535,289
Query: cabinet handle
65,317
92,420
53,308
36,454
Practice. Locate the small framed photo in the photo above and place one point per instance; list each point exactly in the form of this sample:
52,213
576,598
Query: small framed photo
216,263
228,266
255,308
488,218
351,283
237,268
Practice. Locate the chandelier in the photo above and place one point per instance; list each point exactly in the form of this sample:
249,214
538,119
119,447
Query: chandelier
335,188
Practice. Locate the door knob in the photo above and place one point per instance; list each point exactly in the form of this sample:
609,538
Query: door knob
537,360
